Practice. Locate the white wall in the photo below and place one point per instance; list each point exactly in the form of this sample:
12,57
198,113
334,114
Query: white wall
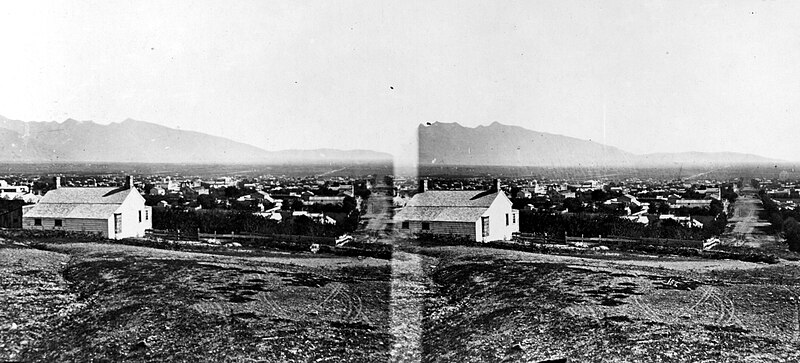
460,229
130,209
100,226
498,230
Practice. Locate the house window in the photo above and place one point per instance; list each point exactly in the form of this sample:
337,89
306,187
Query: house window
140,216
426,226
37,222
485,226
118,223
405,225
146,214
58,223
514,218
506,218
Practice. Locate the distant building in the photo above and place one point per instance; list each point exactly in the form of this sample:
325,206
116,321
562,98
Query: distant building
691,203
524,194
715,193
12,191
330,200
566,194
480,216
685,221
316,217
625,200
259,196
590,185
114,213
346,190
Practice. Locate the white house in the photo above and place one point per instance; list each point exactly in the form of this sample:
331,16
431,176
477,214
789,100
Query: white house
480,216
12,191
115,213
685,221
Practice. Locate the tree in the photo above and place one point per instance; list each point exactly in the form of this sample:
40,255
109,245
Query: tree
573,205
206,201
791,231
716,207
598,195
232,192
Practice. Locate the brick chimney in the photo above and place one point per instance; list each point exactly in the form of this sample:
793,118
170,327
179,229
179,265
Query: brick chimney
423,185
129,182
496,185
57,182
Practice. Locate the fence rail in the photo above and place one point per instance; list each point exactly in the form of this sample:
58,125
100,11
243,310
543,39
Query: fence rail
527,238
196,236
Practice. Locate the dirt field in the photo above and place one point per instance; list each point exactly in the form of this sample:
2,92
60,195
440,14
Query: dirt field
102,302
514,306
76,302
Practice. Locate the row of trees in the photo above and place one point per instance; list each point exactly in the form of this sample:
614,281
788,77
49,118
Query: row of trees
593,226
225,221
783,221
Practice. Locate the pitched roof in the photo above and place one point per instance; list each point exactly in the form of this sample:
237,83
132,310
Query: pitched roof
453,198
447,206
84,211
89,203
86,195
441,214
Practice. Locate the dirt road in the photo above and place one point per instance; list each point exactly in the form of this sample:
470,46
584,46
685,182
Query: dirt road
745,216
409,288
409,283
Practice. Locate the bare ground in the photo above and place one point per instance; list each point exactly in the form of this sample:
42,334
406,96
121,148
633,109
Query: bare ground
108,302
120,303
517,306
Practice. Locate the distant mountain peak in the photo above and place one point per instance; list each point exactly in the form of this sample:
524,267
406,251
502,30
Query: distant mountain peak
508,145
140,141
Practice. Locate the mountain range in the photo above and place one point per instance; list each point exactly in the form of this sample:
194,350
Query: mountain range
439,143
504,145
144,142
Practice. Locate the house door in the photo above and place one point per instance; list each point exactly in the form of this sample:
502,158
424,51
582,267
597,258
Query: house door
118,223
485,226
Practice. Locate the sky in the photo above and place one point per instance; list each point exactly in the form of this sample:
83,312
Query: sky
644,76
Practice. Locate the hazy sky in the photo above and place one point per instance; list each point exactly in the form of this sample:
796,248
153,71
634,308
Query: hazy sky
665,76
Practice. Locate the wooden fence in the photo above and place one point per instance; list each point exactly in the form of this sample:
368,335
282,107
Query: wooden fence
528,238
231,237
157,234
